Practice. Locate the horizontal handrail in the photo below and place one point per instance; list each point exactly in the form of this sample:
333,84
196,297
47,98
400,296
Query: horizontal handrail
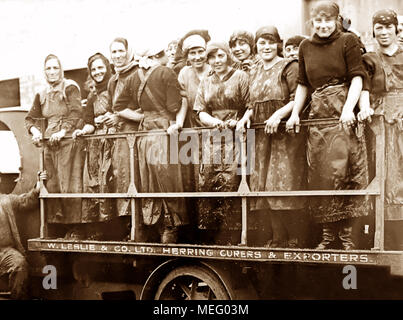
302,193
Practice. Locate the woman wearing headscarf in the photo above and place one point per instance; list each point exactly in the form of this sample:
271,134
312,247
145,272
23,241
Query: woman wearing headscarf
97,177
60,105
330,65
194,50
180,59
220,102
280,157
242,45
385,95
123,118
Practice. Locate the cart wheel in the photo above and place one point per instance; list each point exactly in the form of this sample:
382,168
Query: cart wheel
191,283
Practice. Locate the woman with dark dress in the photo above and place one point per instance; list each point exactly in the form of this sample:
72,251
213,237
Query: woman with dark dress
97,177
60,105
123,118
157,93
330,65
385,95
279,156
220,102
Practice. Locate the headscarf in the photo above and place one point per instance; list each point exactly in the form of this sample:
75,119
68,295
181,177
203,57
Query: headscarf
130,62
242,35
325,8
270,32
61,73
328,9
100,86
214,46
385,17
193,41
180,54
294,41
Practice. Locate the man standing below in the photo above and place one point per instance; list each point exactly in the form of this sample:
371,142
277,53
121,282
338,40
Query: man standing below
12,253
384,90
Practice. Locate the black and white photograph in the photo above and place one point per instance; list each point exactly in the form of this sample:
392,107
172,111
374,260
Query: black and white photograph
209,150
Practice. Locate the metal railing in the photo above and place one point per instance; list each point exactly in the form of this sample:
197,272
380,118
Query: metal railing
375,187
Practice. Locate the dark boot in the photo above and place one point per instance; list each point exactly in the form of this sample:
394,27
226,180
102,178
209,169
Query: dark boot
345,235
328,237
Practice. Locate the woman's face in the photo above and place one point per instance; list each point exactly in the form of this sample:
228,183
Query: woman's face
241,49
266,49
385,34
98,70
218,61
118,54
197,57
171,50
324,26
291,51
52,70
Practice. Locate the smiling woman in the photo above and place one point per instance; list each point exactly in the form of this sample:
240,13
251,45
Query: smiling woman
60,106
97,175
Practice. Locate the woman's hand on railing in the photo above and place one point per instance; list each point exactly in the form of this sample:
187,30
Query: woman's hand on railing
77,133
56,137
241,124
293,124
174,128
346,120
99,120
230,123
36,136
112,119
272,124
219,124
365,114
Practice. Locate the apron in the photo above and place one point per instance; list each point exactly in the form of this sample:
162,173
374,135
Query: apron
336,160
98,175
63,163
121,157
280,161
157,174
219,176
388,105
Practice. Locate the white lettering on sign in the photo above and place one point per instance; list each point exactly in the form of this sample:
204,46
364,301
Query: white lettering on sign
228,253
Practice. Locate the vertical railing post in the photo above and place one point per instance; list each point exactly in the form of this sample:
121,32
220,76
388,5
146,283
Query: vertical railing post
380,175
244,188
131,139
43,226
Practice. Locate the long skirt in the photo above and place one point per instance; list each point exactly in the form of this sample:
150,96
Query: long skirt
121,167
98,178
280,165
64,165
219,173
336,160
159,174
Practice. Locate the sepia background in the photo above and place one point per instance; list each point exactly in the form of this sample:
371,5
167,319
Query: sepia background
76,29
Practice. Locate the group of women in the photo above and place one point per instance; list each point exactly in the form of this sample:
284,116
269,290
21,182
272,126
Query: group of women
227,86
